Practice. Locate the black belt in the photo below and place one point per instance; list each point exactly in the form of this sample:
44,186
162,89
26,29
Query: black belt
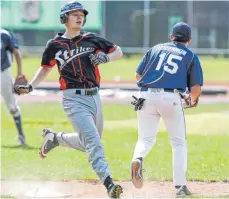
87,92
2,70
170,90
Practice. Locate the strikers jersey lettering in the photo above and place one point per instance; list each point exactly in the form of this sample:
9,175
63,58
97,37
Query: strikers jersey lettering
72,59
170,65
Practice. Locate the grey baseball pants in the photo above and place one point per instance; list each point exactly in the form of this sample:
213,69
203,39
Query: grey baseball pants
85,114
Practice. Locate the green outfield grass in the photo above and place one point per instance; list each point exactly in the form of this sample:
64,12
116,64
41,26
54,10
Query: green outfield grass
208,153
215,69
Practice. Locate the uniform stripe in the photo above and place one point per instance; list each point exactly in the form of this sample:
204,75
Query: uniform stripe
81,70
97,72
183,116
63,84
73,66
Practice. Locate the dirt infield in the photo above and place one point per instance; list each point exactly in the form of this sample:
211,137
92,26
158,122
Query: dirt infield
94,189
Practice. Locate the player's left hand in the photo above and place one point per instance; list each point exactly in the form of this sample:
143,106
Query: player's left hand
20,80
194,103
138,103
23,89
188,102
100,58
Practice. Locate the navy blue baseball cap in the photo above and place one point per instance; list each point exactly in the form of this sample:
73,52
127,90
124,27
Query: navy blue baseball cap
181,31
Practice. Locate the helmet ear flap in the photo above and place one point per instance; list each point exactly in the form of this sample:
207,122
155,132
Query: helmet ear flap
64,18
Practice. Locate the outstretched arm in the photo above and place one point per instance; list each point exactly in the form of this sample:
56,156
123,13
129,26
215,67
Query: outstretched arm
39,76
37,79
116,54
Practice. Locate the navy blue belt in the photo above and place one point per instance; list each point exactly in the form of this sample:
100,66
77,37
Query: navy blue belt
170,90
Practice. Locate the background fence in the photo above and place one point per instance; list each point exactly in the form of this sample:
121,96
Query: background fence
134,25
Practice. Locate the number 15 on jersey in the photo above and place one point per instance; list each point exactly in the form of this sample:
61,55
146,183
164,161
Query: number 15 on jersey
168,65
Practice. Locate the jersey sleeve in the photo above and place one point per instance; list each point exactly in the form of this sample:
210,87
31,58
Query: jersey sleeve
105,45
195,75
11,42
48,58
143,63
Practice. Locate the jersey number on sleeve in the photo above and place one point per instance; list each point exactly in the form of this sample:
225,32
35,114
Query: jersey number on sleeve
170,66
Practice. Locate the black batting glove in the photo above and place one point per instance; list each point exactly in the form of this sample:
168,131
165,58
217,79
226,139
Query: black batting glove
100,58
138,103
22,89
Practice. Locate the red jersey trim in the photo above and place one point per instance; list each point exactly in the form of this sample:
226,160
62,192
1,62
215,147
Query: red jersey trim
97,74
46,66
63,84
78,57
112,49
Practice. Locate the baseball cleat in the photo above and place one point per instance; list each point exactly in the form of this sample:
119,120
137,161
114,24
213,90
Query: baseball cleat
137,178
114,191
183,191
49,142
21,140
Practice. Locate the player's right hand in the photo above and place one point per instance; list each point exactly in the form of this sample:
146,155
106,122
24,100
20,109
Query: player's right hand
100,58
23,89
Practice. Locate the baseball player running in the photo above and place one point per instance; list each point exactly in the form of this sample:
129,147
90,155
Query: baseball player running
77,55
163,74
9,47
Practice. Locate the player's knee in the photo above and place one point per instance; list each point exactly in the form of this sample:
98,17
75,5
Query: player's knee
15,112
91,135
147,140
177,142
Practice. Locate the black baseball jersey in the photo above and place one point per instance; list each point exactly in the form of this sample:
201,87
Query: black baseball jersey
72,59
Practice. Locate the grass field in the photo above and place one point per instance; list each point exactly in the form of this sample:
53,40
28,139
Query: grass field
215,69
207,135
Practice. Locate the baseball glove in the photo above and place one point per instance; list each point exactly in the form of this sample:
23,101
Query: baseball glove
23,89
187,101
20,80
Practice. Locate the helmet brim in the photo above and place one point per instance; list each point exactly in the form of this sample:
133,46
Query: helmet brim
85,11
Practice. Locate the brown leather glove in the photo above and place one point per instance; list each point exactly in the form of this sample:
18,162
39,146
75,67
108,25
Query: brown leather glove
20,80
23,89
187,101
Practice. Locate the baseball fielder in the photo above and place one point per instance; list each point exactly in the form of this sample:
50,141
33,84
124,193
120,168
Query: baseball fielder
9,47
77,55
163,75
